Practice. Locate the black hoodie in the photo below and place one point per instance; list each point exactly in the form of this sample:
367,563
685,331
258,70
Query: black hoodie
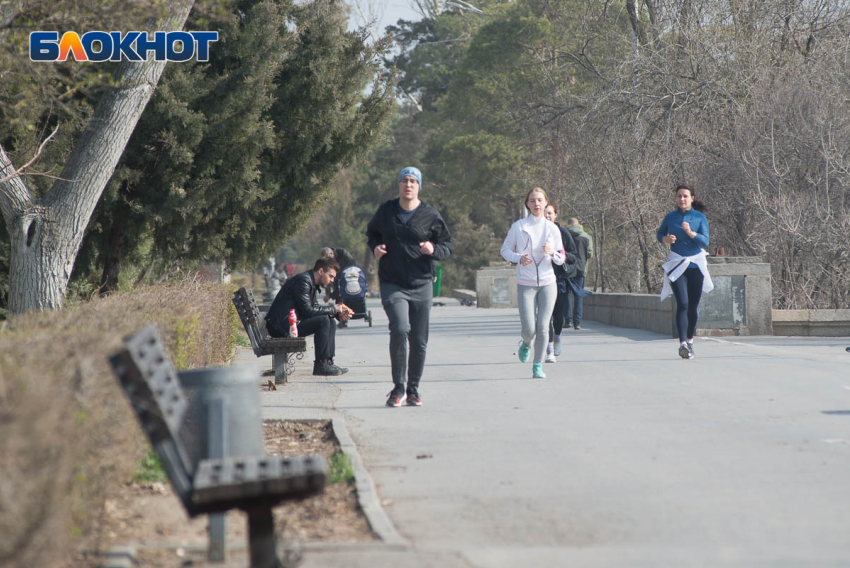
404,264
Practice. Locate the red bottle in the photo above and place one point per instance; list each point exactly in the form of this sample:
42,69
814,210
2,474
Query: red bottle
293,328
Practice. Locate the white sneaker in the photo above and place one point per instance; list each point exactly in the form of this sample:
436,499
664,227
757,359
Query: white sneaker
550,358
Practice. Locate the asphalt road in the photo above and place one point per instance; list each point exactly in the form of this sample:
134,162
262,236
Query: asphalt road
626,455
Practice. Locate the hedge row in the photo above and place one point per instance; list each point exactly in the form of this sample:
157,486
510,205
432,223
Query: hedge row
68,438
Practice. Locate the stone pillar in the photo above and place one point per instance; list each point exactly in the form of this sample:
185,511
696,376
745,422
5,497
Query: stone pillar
495,286
741,302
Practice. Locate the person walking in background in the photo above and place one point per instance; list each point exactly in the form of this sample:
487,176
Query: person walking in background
534,245
686,275
562,273
584,246
279,274
407,236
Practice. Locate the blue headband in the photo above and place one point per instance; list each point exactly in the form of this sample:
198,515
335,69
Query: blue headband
411,172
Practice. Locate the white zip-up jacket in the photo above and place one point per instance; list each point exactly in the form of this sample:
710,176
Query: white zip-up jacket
527,236
676,265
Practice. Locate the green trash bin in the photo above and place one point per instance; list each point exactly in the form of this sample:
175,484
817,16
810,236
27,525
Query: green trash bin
438,280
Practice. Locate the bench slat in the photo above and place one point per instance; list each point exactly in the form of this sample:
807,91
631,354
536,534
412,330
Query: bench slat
270,477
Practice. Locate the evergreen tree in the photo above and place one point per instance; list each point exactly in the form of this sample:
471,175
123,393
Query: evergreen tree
234,155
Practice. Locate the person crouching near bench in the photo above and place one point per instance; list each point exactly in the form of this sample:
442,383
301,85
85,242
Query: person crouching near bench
299,292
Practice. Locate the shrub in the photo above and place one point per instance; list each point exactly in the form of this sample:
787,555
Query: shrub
67,435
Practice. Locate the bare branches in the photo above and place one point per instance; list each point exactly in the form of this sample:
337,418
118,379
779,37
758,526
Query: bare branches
32,160
752,108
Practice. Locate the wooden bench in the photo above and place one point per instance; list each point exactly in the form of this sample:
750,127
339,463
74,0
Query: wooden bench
251,484
282,349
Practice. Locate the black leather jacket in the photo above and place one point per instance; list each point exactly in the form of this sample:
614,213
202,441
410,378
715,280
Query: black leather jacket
298,292
404,264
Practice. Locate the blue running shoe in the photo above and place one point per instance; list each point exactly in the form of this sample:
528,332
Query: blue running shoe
557,350
537,371
523,351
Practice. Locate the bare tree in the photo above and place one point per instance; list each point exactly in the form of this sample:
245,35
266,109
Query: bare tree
46,232
747,101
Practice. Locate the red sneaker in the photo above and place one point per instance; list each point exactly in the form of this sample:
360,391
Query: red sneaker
413,399
395,399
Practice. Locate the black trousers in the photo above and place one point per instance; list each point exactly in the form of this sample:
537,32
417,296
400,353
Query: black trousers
323,328
688,291
556,325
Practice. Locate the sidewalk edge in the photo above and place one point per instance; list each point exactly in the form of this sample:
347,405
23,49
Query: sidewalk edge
366,493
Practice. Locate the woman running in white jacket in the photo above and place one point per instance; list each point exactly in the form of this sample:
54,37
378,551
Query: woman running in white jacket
534,244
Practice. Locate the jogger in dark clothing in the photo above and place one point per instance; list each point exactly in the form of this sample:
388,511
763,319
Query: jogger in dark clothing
407,236
563,272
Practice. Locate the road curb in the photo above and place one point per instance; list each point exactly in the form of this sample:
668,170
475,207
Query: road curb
367,496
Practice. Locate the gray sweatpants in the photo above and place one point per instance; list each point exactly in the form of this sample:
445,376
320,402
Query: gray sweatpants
409,313
535,309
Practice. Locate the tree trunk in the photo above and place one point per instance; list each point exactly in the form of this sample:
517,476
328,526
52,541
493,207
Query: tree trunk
46,234
634,19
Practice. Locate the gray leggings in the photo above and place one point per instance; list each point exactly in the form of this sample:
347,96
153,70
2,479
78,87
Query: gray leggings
535,309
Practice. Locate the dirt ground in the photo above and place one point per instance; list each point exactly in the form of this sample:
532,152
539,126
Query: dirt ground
151,518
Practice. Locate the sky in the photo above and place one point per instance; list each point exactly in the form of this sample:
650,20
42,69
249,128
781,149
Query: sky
385,12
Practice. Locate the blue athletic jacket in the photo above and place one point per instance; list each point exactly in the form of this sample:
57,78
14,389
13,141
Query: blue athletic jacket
672,225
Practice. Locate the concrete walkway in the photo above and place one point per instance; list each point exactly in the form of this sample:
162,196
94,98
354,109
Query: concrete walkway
626,455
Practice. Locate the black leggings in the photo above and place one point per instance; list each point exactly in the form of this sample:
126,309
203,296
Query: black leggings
556,325
688,291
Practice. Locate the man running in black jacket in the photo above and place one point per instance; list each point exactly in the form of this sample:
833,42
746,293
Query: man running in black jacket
407,236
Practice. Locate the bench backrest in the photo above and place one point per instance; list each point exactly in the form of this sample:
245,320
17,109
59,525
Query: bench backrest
154,391
249,313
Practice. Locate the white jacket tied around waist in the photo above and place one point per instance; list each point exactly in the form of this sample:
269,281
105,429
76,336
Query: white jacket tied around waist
677,264
527,236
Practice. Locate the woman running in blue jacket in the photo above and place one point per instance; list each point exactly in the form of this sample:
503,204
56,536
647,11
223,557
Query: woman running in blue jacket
686,275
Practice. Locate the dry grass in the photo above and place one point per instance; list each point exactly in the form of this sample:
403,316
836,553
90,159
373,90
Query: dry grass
68,439
334,515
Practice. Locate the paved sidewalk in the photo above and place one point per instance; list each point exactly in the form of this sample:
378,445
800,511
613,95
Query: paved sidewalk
626,455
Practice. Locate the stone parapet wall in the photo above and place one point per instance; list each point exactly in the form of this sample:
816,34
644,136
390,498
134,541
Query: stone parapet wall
815,323
640,311
495,286
740,303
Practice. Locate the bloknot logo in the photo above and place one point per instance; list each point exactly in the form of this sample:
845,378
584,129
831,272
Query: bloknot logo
113,46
